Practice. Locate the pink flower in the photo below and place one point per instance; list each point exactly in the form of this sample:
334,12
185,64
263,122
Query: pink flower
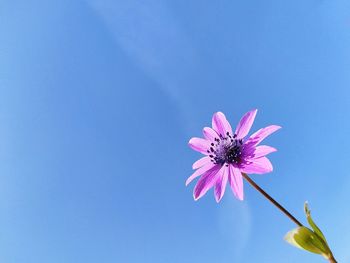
228,154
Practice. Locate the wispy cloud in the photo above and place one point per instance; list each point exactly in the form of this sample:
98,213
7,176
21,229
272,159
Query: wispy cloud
150,34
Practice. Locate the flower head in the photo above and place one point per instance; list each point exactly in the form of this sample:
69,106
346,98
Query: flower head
228,154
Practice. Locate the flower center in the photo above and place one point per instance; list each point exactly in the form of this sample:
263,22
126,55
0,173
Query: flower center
226,149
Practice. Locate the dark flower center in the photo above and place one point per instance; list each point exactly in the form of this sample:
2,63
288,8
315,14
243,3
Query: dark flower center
233,154
226,149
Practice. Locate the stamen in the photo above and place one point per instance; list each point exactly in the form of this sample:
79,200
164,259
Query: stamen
226,150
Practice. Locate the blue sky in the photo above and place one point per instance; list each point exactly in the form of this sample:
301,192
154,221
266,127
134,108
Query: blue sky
99,98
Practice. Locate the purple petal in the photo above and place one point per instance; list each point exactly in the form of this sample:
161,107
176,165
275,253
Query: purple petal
201,162
245,124
221,182
210,134
258,166
207,180
199,172
236,182
220,124
199,145
262,134
262,150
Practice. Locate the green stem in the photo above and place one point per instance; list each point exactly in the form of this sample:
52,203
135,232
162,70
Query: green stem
273,201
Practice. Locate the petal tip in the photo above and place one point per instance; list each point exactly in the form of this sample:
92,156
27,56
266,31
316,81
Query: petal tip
241,195
270,169
218,198
190,142
189,180
219,113
273,149
195,195
245,123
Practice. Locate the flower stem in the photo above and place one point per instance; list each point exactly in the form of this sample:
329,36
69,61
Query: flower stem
273,201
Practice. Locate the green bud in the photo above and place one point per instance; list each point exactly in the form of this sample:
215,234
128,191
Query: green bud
317,231
308,239
304,238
